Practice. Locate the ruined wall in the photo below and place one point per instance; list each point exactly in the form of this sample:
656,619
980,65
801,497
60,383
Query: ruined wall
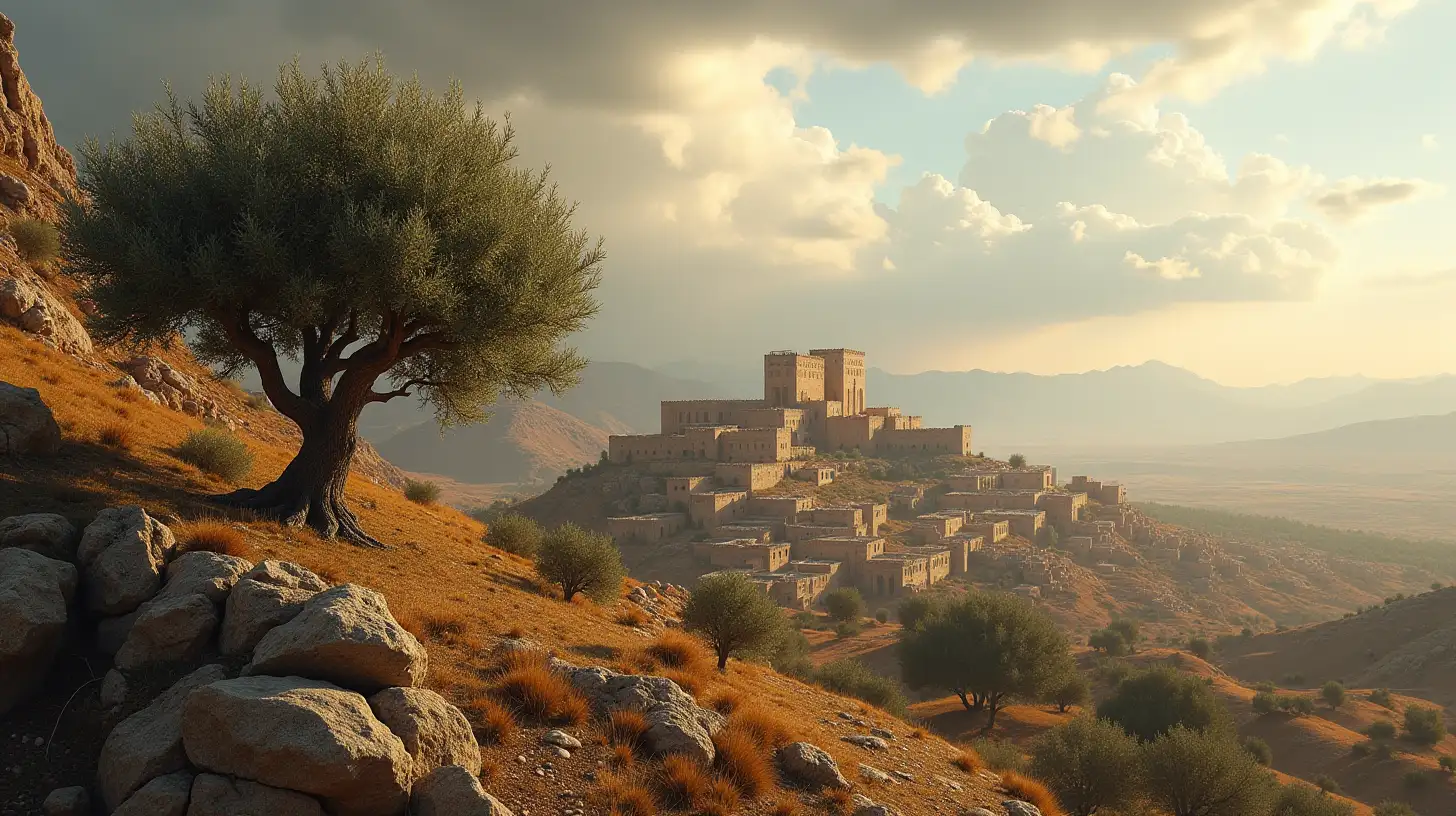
956,440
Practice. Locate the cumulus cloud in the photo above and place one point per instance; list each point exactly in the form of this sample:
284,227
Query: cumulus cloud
1353,198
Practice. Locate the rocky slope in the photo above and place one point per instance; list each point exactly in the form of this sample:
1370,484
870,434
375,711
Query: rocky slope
35,172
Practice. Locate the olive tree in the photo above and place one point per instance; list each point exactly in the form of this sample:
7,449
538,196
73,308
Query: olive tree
1088,763
986,648
734,615
581,562
1149,703
377,235
1192,773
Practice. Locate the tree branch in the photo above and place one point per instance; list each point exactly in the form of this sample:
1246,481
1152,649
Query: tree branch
404,390
265,358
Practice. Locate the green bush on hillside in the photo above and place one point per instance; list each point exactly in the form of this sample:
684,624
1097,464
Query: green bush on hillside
1151,702
581,562
421,492
37,242
216,451
1088,763
514,533
853,679
1424,726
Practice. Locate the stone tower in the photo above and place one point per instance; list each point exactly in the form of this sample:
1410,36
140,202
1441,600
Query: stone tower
844,378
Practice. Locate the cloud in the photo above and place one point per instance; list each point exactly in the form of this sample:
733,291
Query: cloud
1351,199
1428,142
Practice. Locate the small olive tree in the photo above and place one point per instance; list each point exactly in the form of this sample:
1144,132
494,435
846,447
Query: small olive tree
1333,693
358,225
1149,703
734,615
581,562
1191,773
514,533
1089,764
1071,690
844,604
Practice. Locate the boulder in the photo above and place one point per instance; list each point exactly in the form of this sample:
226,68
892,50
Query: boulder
344,635
561,739
15,192
204,573
867,742
978,811
433,731
27,427
114,689
453,791
301,735
268,595
676,723
72,801
214,795
34,593
29,302
167,630
148,744
865,807
163,796
812,765
112,632
873,774
46,533
121,556
1016,807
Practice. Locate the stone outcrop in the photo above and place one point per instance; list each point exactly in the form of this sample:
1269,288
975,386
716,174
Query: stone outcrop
347,636
27,427
46,533
165,385
268,595
867,742
148,744
72,801
26,137
164,796
300,735
209,574
676,723
453,791
168,629
1016,807
34,594
28,302
811,765
214,795
434,732
121,557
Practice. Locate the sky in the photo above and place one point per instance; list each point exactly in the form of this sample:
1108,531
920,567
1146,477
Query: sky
1257,191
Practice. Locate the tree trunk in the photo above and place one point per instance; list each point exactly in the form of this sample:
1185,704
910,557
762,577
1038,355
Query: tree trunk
723,661
965,702
991,709
310,491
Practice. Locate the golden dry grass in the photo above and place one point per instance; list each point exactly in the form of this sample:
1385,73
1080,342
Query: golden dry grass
632,615
532,690
726,701
622,796
690,682
623,757
492,722
838,800
968,760
785,807
721,798
742,760
769,730
682,783
627,726
1030,790
216,537
675,649
116,436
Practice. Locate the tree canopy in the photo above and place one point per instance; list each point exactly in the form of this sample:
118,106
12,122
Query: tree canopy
359,225
733,615
581,561
1149,703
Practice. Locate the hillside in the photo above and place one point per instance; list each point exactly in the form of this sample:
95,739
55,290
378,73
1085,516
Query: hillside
1411,443
523,442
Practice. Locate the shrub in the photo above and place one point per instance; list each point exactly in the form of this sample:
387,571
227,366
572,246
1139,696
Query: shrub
1109,642
1326,783
742,761
727,701
1424,726
1088,763
968,760
1149,703
734,616
1192,773
1381,697
1333,693
851,678
844,604
1394,809
1296,704
492,722
1266,686
785,807
1258,749
1447,763
683,782
1265,703
790,656
1415,779
1072,690
216,537
1360,749
1130,631
37,242
768,730
675,649
581,562
913,610
1016,460
533,690
627,726
1200,647
882,615
1384,751
621,796
1030,790
999,755
421,492
116,436
632,615
514,533
1381,729
1303,800
847,629
215,451
258,402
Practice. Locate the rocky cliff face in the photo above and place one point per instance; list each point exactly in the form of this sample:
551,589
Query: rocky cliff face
35,172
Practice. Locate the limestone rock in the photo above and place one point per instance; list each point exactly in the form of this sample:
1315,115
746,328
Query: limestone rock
865,807
561,739
676,724
453,791
121,557
867,742
28,301
114,689
301,735
344,635
1016,807
27,427
214,795
874,774
206,573
811,764
164,796
46,533
268,595
34,593
26,136
112,632
434,732
148,744
168,629
978,811
72,801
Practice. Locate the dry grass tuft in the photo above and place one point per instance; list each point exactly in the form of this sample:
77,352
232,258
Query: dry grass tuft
767,729
489,770
675,649
623,757
720,800
627,726
683,783
968,761
838,800
727,701
622,796
515,633
116,435
532,690
216,537
1030,790
632,615
690,682
786,807
743,761
492,722
919,733
442,626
